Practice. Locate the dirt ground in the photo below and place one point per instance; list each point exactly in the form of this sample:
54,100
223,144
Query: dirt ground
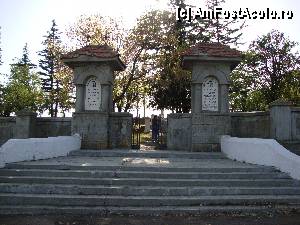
147,220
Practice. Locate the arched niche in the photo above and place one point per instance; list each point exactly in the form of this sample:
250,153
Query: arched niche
92,94
210,92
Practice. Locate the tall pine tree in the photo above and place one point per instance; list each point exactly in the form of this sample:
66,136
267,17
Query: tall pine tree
22,70
23,87
51,67
171,84
221,30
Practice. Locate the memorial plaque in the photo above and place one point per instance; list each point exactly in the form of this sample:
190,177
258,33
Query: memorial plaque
210,94
93,94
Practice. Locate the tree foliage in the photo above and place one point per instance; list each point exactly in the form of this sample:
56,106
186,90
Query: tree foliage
171,84
96,30
291,87
141,43
56,77
163,43
221,30
138,47
269,71
23,88
151,50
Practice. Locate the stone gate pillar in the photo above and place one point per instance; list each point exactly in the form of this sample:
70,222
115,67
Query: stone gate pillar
211,64
281,120
93,67
25,124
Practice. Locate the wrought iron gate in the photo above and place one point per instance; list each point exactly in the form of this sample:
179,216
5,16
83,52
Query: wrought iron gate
136,133
162,138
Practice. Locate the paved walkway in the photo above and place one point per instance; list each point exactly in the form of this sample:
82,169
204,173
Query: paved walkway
143,162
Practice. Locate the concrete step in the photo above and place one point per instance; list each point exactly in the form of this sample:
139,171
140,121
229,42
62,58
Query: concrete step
153,211
151,181
200,169
148,154
138,201
139,174
143,183
143,190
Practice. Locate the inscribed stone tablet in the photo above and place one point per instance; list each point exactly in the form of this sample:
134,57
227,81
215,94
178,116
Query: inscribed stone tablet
93,94
210,94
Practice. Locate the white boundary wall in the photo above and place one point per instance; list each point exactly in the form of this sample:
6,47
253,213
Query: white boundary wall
16,150
266,152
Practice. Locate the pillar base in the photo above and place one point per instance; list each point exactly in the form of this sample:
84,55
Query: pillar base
93,129
25,124
207,128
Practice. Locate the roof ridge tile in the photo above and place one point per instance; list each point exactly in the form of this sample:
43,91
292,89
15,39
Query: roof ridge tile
212,49
99,51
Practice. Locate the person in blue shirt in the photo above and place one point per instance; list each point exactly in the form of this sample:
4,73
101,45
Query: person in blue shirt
155,128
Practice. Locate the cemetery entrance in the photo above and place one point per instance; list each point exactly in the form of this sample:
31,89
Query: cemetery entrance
136,133
100,127
149,132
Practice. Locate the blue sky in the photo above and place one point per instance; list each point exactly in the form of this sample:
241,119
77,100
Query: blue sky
28,21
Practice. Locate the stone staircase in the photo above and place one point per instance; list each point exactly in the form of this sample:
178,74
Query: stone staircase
144,182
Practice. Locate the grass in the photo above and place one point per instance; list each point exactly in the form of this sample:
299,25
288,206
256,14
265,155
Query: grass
146,137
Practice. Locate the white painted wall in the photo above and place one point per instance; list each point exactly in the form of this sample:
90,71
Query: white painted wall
16,150
266,152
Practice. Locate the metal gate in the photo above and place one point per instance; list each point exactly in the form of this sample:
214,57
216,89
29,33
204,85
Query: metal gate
136,133
137,129
162,138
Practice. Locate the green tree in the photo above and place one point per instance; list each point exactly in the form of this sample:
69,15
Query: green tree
56,78
142,41
156,33
291,87
23,89
98,30
171,84
269,71
95,30
189,32
3,108
221,30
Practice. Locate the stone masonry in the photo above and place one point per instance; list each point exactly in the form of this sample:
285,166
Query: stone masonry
210,64
93,68
200,130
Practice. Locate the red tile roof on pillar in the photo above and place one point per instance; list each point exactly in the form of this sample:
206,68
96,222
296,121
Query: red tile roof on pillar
99,51
212,50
